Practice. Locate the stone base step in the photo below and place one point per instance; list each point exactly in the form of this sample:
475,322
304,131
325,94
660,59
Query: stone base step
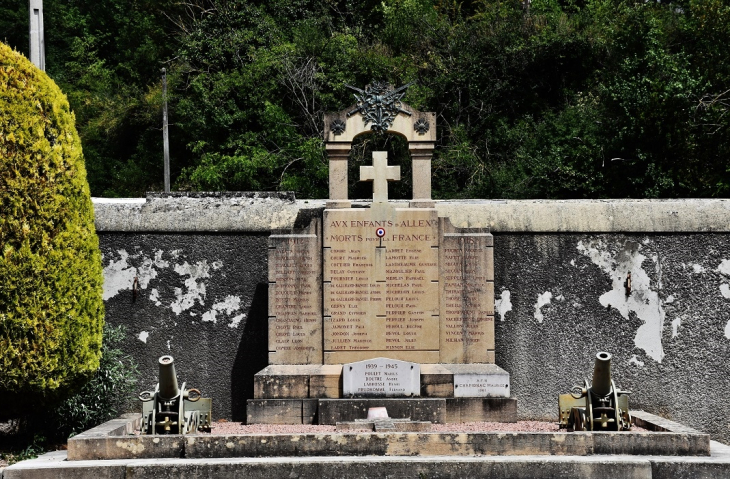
292,381
332,411
54,465
112,440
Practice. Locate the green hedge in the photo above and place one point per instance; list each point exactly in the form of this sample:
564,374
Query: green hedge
51,310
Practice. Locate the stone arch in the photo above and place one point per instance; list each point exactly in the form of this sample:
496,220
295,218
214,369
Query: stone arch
341,128
367,143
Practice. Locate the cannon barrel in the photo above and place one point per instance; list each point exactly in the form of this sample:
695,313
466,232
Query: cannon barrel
601,385
168,378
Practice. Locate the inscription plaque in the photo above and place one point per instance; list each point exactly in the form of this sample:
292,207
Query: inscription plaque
295,297
381,377
467,295
481,385
381,283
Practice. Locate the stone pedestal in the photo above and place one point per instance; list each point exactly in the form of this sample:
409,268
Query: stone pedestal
305,394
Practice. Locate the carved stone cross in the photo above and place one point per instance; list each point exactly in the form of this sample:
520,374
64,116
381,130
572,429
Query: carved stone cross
380,174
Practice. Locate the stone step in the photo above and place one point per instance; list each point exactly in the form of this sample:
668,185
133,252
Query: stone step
54,465
331,411
291,381
113,440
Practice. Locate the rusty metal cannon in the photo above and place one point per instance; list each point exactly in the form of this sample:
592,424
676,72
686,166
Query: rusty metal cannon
171,409
596,406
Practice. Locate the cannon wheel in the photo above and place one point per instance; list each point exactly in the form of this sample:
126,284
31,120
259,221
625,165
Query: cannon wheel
589,408
578,418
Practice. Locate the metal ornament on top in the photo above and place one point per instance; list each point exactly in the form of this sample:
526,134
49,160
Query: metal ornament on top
379,104
379,110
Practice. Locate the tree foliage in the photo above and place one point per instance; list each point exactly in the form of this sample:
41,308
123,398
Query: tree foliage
51,309
534,98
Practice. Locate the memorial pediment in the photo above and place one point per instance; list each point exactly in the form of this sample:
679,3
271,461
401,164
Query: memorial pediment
379,110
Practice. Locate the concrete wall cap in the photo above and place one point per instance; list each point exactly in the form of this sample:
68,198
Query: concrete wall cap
262,212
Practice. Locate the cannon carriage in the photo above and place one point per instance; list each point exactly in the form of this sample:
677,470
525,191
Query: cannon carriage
171,409
598,405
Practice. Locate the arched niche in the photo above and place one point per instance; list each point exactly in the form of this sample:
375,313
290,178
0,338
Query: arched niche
395,145
341,128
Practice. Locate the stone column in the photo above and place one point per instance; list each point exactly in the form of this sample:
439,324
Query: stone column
338,154
421,154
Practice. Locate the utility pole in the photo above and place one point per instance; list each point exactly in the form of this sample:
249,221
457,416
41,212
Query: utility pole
165,136
37,40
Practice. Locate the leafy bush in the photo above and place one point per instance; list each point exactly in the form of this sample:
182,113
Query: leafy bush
105,397
26,449
51,310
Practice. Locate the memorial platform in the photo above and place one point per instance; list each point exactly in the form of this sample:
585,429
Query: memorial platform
668,450
314,394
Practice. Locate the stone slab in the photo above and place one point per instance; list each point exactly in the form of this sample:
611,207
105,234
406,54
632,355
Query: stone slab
390,444
262,212
483,383
383,425
381,377
280,386
53,465
298,381
715,466
341,357
280,411
295,296
462,410
126,447
122,426
419,444
514,467
436,381
380,291
325,381
695,446
332,411
115,439
466,281
653,422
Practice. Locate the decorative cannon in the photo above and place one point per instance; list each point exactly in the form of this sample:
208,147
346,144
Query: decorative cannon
173,410
599,406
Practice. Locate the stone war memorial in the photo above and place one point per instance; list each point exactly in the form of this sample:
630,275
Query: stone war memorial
394,338
367,296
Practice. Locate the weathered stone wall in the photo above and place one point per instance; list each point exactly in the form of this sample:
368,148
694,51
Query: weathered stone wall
560,298
560,271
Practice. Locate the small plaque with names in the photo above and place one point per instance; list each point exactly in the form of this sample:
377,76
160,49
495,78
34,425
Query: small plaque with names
481,385
381,377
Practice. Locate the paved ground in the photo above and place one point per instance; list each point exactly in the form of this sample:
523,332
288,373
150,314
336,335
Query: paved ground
53,465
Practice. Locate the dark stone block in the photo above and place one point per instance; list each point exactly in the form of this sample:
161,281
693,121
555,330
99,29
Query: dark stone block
332,411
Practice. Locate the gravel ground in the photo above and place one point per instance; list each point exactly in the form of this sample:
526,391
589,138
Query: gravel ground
521,426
